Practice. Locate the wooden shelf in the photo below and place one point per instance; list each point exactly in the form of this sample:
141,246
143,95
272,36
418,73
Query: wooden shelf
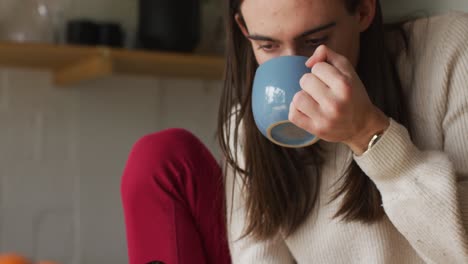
74,64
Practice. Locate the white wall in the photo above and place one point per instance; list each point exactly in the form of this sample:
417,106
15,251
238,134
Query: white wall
62,151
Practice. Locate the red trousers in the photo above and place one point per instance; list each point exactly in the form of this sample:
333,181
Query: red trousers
173,200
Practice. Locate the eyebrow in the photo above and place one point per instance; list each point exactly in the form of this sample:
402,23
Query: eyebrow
305,34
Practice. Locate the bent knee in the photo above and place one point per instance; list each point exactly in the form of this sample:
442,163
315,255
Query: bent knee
154,150
166,143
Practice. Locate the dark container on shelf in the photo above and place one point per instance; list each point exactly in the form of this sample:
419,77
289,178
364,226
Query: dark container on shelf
87,32
111,34
169,25
82,32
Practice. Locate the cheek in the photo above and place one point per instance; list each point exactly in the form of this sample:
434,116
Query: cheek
352,52
258,57
347,45
261,57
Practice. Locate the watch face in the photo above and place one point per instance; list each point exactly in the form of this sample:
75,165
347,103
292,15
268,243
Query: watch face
374,140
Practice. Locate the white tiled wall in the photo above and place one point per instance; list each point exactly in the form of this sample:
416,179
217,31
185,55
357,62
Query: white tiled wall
63,150
39,166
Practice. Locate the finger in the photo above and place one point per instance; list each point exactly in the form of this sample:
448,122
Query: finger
325,54
300,119
317,89
304,103
331,77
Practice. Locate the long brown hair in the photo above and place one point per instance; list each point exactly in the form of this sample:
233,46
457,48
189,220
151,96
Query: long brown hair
279,193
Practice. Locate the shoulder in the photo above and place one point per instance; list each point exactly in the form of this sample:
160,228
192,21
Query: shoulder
435,46
442,19
433,70
439,34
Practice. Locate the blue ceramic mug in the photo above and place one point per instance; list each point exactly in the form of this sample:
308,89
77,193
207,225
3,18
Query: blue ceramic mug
275,84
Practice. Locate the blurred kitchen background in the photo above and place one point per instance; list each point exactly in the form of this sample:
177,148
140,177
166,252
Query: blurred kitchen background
64,142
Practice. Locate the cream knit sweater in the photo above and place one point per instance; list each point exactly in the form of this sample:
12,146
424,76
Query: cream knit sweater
423,181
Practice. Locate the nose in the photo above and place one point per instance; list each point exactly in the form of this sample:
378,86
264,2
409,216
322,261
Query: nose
296,51
290,51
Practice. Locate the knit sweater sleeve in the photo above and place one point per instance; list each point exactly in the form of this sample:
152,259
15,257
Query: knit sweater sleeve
247,250
425,192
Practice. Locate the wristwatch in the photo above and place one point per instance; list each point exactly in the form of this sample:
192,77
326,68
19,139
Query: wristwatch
376,137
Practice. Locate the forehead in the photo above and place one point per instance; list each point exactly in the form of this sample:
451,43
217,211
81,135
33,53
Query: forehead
289,17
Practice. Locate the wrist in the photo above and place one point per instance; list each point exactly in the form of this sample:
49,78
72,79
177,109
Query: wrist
376,124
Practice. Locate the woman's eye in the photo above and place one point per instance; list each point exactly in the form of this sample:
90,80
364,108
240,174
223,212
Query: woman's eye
316,42
266,47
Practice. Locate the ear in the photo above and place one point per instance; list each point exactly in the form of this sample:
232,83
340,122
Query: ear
241,24
366,13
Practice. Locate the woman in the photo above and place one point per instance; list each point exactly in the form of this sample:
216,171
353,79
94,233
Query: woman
366,193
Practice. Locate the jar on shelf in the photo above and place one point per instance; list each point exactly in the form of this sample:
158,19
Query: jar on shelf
26,21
